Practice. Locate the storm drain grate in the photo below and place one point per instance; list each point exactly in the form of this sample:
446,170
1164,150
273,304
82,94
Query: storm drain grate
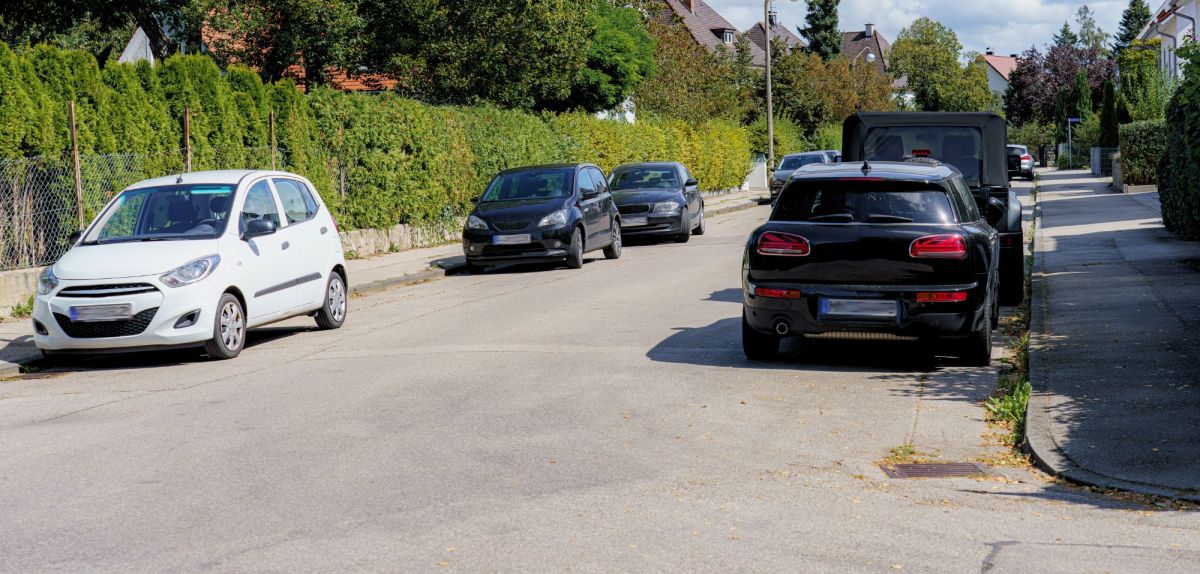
933,469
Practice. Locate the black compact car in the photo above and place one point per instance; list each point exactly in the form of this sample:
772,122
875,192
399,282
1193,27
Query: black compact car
658,199
886,250
976,144
540,214
792,162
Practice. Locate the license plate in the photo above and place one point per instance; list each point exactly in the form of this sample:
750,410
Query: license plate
859,308
633,222
511,239
93,313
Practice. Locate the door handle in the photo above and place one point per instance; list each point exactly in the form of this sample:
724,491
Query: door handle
286,245
324,230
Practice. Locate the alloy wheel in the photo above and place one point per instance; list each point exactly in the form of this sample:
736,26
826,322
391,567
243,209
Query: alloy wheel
336,298
233,326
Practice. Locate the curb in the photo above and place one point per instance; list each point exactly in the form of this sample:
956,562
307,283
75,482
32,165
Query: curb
730,209
1039,441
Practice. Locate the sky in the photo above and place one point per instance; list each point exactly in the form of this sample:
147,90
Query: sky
1005,26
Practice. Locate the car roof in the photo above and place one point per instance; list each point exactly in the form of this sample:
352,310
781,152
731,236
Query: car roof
547,166
892,170
804,153
222,176
648,164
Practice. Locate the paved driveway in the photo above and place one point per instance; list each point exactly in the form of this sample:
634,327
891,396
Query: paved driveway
593,420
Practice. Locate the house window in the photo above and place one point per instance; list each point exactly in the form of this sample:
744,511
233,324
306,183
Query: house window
727,36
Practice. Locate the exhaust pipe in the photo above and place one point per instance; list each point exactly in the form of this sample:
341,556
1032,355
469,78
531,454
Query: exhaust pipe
782,327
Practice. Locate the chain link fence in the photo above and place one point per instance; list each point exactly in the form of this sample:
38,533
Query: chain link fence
40,207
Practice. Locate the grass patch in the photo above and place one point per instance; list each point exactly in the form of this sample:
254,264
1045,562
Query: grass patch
22,310
907,453
1008,404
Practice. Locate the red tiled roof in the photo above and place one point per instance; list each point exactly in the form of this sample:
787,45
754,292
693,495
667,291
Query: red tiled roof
1004,65
700,23
778,32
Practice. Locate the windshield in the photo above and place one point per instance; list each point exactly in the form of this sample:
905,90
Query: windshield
863,202
797,161
194,211
644,177
542,184
954,145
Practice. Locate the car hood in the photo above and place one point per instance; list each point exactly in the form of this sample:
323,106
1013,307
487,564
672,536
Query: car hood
133,259
783,174
519,208
650,195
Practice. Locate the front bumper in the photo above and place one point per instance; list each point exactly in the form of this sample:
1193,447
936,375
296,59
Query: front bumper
156,314
545,245
655,225
916,320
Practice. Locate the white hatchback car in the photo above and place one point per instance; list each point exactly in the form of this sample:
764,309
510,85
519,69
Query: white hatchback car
191,260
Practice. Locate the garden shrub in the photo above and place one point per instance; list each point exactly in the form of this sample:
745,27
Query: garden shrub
1143,145
1179,170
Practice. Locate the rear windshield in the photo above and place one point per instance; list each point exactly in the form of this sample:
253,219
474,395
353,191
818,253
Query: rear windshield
851,201
798,161
958,146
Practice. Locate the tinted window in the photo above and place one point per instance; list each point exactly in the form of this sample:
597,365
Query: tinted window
957,146
645,177
298,202
542,184
964,202
176,212
260,204
863,202
798,161
598,180
586,185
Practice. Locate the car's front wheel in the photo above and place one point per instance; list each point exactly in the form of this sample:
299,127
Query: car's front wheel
685,227
575,250
758,346
333,312
229,329
613,251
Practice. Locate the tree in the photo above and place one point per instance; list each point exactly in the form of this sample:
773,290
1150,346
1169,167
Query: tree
689,83
101,27
620,57
1109,136
1135,17
1091,35
824,37
928,53
1065,36
1028,98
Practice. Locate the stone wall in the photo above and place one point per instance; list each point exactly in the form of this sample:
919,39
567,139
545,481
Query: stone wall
361,243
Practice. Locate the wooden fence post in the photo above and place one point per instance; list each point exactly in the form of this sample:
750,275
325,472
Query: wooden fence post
187,139
271,121
75,166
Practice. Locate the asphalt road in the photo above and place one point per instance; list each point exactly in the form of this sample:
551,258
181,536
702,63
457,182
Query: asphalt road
594,420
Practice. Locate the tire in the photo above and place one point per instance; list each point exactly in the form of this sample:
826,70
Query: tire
1012,282
613,251
229,329
995,312
699,230
977,350
575,250
758,346
686,226
332,313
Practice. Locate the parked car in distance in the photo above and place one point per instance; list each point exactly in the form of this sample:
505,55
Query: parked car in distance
543,214
896,251
1020,161
835,155
194,259
658,199
792,162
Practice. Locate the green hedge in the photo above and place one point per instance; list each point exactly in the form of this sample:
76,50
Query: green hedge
378,160
1179,170
1142,147
789,138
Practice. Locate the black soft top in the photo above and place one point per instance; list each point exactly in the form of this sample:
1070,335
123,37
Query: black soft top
994,136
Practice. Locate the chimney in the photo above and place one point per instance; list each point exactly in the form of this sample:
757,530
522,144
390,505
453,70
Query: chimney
990,52
773,18
1013,56
870,30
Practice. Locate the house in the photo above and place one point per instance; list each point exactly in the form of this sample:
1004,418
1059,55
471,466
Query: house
999,68
710,30
779,33
1174,23
870,47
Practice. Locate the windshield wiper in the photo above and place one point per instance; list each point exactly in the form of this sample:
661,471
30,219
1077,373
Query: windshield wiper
885,218
846,217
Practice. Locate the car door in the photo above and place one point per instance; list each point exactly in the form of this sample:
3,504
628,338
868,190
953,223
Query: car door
608,206
589,206
263,261
691,194
307,261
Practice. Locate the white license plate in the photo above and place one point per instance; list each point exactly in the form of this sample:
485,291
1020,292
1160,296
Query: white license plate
633,222
520,239
93,313
859,308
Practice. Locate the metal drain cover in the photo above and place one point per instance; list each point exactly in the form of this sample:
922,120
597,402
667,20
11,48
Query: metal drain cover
933,469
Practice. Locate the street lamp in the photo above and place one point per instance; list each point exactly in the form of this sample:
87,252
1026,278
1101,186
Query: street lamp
770,111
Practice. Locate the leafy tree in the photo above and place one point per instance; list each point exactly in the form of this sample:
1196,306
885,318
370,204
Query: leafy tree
620,57
1109,136
1091,35
824,37
689,83
813,93
101,27
928,53
1145,88
1135,17
1065,36
1028,98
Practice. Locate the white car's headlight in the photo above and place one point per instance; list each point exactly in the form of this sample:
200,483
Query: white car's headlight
667,208
190,272
554,219
474,222
47,282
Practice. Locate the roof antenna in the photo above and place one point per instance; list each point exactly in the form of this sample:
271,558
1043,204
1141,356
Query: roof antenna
179,179
866,166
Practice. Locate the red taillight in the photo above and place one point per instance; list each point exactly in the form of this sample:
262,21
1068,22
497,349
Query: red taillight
942,297
776,243
1026,157
948,246
776,293
922,152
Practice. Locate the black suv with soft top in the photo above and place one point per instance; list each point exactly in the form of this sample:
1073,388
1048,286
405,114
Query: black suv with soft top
872,251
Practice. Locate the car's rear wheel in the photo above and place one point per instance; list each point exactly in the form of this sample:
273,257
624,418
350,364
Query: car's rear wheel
229,329
699,230
613,251
686,227
575,250
977,349
758,346
332,313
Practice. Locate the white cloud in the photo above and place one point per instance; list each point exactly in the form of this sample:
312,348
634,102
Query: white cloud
1006,26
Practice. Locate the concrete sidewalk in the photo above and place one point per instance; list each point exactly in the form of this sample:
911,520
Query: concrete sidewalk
1114,329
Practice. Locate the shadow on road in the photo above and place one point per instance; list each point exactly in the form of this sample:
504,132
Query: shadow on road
153,359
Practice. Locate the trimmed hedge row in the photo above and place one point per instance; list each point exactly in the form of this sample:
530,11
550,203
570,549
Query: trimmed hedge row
1142,147
378,160
1179,170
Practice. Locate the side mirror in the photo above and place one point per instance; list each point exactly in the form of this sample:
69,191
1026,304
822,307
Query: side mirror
74,237
475,199
691,183
589,193
995,211
258,228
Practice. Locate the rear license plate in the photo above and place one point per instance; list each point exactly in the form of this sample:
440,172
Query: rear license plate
859,308
94,313
520,239
633,222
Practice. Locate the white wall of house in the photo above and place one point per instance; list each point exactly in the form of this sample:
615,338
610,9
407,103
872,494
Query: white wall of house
996,82
1177,27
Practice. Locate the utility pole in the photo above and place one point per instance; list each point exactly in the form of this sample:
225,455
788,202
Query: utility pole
770,111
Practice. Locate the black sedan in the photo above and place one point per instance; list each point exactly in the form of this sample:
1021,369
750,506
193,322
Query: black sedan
792,162
543,214
658,199
880,251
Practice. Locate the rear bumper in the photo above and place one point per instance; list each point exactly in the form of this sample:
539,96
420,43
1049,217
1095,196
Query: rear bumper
801,316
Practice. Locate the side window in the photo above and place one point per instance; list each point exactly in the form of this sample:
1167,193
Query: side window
298,202
686,174
968,211
598,180
586,185
260,204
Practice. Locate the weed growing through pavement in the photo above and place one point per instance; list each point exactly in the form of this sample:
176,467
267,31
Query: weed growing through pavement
22,310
